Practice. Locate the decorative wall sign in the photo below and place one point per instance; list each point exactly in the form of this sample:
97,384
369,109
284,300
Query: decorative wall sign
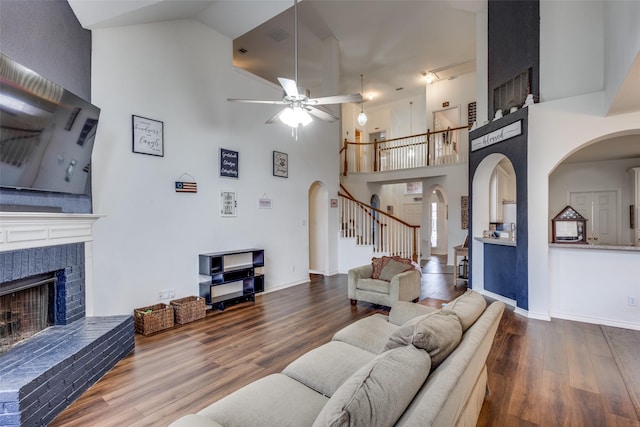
464,212
334,203
499,135
280,164
228,203
147,136
190,186
264,203
471,113
229,163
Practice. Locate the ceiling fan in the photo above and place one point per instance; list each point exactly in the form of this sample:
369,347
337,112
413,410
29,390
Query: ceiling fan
299,106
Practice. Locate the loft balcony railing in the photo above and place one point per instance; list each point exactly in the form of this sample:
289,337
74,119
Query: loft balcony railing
441,147
384,232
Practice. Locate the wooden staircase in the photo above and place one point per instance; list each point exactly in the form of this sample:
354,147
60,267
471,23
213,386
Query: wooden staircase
385,233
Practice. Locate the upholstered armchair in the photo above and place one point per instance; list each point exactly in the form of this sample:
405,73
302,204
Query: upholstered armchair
384,281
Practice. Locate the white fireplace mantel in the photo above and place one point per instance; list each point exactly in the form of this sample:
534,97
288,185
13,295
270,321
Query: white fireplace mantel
24,230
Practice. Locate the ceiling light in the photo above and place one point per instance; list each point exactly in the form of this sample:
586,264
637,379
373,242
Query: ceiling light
430,77
362,117
295,116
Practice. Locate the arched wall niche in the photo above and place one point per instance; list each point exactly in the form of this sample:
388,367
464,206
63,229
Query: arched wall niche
600,168
318,228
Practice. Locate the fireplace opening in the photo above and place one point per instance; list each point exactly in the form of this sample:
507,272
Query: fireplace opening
26,308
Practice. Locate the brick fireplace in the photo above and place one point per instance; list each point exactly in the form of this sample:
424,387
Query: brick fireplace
41,375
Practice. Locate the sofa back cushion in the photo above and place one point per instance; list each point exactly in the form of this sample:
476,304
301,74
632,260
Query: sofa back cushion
468,306
378,393
439,333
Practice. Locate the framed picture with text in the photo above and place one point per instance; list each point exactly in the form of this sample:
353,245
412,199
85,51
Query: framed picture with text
229,163
148,136
280,164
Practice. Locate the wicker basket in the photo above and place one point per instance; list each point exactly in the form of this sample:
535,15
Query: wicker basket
147,320
188,309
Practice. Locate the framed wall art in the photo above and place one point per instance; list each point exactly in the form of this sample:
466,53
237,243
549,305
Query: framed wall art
280,164
228,203
148,136
229,163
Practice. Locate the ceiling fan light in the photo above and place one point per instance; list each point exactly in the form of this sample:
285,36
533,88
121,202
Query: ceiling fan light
362,118
295,116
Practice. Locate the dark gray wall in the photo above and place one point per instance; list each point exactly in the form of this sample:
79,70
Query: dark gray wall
514,43
45,35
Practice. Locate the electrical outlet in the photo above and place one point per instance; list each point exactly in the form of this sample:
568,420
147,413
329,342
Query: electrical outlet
632,301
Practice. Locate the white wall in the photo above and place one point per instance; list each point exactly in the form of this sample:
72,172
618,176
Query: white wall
621,44
180,72
556,129
571,48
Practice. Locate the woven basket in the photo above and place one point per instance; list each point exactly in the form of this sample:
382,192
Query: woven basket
188,309
147,320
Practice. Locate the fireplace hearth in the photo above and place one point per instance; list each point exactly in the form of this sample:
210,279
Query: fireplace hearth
47,368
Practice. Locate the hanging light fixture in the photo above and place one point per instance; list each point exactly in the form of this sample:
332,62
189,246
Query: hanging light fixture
362,117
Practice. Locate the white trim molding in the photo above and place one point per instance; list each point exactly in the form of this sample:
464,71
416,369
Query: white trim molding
25,230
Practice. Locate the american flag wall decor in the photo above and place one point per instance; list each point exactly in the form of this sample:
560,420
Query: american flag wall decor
186,187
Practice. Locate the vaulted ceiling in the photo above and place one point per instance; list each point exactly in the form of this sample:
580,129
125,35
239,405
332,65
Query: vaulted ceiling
390,42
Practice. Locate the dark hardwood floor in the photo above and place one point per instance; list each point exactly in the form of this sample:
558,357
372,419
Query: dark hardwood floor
557,373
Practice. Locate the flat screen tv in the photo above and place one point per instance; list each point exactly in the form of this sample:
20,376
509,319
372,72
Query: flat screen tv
46,133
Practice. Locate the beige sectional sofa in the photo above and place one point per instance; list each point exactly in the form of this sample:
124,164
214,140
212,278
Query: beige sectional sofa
418,366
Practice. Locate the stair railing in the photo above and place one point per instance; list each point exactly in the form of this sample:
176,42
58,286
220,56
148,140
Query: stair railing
371,226
432,148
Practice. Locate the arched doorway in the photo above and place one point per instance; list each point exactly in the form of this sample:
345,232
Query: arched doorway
495,213
318,228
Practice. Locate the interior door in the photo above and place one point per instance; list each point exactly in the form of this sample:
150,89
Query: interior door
601,210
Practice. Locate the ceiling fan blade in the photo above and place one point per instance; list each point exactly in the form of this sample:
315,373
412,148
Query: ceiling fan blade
290,87
337,99
257,101
322,114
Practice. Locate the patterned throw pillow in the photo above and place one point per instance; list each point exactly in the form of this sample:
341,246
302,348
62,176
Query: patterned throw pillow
377,265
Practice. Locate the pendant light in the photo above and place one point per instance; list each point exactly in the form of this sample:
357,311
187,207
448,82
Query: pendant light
362,117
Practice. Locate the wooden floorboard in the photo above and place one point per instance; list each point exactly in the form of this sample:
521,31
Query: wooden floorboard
556,373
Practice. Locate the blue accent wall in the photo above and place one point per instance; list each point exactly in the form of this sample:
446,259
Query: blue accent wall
515,149
513,36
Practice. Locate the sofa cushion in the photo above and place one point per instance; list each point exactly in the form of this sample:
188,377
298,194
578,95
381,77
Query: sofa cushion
468,306
370,333
378,393
373,285
393,268
274,400
403,311
439,333
325,368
